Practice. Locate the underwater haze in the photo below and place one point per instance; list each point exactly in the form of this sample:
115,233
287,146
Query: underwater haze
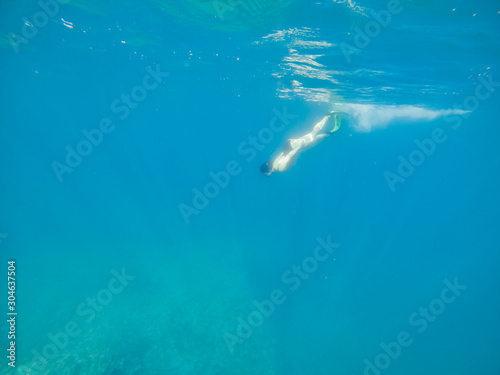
146,240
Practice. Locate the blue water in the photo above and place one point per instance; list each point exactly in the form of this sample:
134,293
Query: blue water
115,277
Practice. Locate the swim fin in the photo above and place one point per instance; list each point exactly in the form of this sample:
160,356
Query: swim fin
337,118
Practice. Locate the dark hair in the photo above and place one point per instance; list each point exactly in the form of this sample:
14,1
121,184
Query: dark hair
265,168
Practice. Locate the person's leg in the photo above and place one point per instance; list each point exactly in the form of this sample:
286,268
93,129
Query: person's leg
288,147
329,124
317,137
319,126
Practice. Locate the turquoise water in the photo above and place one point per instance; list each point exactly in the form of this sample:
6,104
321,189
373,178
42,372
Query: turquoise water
146,239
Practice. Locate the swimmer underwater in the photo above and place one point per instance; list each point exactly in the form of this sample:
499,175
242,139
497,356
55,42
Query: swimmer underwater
326,127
